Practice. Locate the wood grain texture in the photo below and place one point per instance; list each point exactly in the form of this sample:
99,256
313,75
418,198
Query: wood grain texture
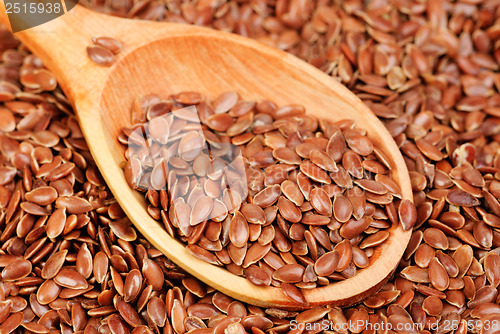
168,58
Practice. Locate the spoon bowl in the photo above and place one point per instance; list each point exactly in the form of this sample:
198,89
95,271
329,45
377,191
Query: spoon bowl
164,58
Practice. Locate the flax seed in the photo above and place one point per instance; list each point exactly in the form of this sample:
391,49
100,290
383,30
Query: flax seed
100,55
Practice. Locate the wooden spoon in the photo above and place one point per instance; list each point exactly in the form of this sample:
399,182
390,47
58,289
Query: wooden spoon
164,58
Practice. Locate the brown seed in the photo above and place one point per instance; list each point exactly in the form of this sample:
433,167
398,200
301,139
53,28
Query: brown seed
60,171
109,43
255,253
461,198
16,270
128,313
292,292
304,185
178,316
153,274
359,258
344,249
241,125
353,228
303,149
342,208
123,230
289,210
323,160
321,202
220,122
100,55
266,235
188,97
116,324
257,275
157,311
292,192
390,184
362,145
336,146
452,219
132,286
485,294
429,150
286,155
84,261
438,275
7,120
253,213
314,172
201,210
206,311
235,328
483,234
53,264
463,257
101,264
35,327
132,172
48,292
203,254
372,186
313,219
357,198
182,212
46,138
78,317
70,278
423,255
7,175
42,196
416,274
385,199
407,214
327,263
242,107
238,231
73,204
374,240
290,273
432,305
5,309
267,196
225,102
492,268
11,323
353,164
358,320
33,209
436,238
491,220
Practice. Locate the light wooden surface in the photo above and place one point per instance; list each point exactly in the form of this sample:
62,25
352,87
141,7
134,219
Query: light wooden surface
168,58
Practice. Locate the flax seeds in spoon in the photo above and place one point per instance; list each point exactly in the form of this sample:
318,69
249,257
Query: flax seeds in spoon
266,191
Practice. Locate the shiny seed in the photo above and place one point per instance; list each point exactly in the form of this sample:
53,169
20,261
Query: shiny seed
100,55
290,273
70,278
327,263
16,270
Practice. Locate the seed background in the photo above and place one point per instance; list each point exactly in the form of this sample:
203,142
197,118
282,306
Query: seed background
428,70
